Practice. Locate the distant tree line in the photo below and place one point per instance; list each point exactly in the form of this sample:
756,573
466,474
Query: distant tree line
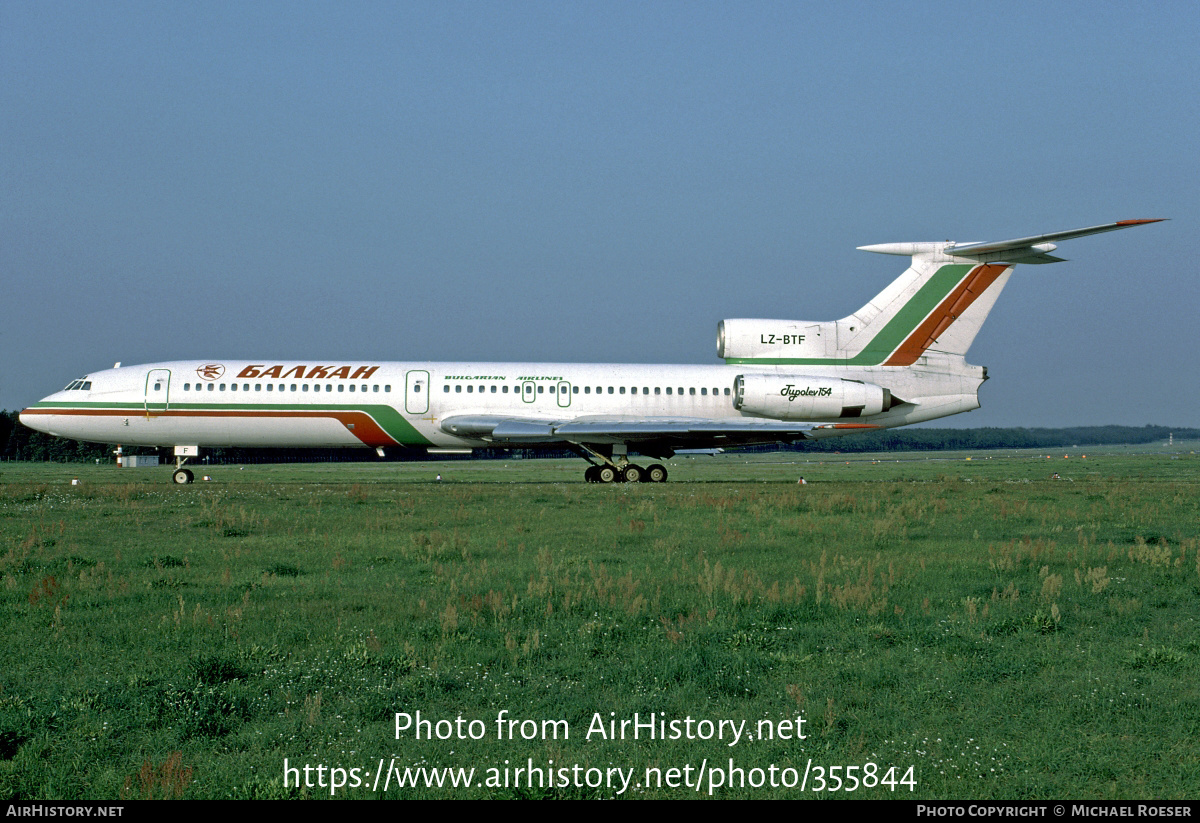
20,443
915,439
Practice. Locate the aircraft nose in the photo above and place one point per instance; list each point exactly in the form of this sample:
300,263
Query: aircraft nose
31,419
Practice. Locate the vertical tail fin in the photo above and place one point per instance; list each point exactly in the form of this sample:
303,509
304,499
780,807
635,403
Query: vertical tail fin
941,301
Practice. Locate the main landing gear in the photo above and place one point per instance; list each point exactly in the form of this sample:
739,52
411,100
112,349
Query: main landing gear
628,473
610,464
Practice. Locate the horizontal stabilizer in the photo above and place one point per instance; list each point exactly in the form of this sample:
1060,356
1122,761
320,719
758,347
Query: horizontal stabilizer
1035,249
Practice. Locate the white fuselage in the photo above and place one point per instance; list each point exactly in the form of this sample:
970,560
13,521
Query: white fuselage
311,404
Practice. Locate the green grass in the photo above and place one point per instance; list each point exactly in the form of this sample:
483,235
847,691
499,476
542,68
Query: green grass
1004,634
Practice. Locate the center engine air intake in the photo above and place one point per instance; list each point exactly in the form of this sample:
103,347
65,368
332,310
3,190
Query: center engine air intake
802,397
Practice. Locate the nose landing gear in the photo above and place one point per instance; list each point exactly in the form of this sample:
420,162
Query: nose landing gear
183,476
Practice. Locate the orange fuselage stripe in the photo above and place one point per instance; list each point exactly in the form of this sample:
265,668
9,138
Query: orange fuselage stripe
360,424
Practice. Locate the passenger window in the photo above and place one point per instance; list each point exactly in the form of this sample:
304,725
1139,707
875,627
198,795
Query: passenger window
668,389
458,388
552,390
303,384
446,388
587,389
622,390
505,390
351,387
387,387
258,386
341,387
657,390
187,386
610,389
574,390
211,387
470,389
493,389
726,392
645,389
704,392
233,386
541,389
692,391
270,386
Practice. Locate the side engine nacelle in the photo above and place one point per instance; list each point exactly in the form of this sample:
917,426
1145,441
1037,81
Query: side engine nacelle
801,397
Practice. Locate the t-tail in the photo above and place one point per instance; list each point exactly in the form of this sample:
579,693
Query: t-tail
899,359
932,311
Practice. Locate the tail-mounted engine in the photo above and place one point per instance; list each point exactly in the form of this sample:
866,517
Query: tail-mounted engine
801,397
741,338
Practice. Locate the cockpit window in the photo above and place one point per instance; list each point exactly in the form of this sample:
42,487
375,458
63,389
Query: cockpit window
79,385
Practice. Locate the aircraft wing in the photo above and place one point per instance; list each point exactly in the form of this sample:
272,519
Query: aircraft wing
662,432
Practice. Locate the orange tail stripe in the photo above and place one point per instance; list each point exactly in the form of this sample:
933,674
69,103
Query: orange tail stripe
953,305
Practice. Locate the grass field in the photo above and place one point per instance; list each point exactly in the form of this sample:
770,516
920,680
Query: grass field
945,628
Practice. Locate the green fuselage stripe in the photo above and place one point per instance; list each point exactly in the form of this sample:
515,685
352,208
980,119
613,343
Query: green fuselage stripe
388,418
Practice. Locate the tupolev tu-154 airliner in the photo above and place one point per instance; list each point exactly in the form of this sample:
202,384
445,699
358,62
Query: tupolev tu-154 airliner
899,359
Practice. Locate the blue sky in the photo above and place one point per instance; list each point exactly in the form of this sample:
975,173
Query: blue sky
593,182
